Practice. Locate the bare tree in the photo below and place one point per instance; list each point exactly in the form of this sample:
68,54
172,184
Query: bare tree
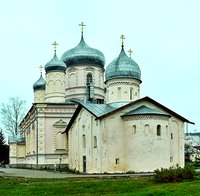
12,114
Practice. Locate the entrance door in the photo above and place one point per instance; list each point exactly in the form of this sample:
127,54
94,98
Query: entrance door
84,164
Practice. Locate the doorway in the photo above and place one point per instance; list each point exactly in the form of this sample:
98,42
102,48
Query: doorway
84,164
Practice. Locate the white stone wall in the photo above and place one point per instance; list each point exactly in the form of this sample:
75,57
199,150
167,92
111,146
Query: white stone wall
39,96
13,153
82,143
76,81
112,144
145,150
55,87
122,89
126,144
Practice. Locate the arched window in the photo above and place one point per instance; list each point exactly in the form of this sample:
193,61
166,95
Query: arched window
89,87
159,131
134,129
89,78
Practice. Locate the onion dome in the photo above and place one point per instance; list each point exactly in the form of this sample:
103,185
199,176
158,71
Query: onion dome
123,67
83,54
39,84
55,64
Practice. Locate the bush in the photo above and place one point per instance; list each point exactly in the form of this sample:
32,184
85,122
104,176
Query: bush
174,174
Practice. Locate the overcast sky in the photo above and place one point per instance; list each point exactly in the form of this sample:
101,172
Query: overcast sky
163,34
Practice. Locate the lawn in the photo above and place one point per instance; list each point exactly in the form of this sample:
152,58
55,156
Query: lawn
95,186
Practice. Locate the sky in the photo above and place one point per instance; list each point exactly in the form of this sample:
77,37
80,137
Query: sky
163,34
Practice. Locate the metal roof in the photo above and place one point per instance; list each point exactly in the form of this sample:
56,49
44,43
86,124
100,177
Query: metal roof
123,66
144,110
102,109
83,54
39,84
55,64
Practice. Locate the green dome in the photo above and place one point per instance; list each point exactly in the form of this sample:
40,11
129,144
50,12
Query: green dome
83,54
123,67
39,84
55,64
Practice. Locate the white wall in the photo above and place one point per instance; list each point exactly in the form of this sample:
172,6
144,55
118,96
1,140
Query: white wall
76,81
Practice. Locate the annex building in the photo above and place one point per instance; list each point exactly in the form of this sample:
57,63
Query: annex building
92,119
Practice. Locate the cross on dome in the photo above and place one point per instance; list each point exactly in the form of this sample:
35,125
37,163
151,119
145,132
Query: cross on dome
122,38
130,52
41,67
55,44
82,25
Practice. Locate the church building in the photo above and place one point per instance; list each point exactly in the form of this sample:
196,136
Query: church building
94,125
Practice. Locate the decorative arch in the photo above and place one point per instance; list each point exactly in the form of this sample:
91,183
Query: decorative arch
146,129
60,140
72,80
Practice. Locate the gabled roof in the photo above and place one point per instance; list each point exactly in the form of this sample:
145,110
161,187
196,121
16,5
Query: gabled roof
100,111
144,110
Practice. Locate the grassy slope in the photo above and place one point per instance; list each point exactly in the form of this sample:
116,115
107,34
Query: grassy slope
95,186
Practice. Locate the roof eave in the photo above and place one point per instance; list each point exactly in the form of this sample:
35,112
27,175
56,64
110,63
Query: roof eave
150,100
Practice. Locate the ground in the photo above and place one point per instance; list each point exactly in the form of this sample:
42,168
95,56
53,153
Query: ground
26,173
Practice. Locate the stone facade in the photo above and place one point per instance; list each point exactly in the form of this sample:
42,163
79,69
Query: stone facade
108,127
115,144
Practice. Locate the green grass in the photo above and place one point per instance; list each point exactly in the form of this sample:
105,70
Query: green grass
95,186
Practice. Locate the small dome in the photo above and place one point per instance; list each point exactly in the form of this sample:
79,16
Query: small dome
123,66
55,64
83,54
39,84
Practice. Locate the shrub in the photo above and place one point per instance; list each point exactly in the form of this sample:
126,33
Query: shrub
174,174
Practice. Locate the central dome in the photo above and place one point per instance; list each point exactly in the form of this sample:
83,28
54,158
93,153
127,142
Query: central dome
83,54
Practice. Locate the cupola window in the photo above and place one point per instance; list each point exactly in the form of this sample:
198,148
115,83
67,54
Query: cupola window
89,79
89,87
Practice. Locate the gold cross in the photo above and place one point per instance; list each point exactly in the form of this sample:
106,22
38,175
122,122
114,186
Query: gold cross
82,25
41,67
130,52
55,45
122,38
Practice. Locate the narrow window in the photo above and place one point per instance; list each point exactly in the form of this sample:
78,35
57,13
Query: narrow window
158,130
134,129
89,78
84,142
131,93
172,136
117,161
171,159
89,86
95,141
